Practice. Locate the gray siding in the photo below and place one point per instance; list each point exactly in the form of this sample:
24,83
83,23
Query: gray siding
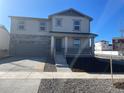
67,24
32,26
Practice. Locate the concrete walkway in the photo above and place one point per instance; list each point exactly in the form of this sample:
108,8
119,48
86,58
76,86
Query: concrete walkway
61,63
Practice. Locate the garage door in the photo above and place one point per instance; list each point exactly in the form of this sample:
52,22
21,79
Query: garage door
32,48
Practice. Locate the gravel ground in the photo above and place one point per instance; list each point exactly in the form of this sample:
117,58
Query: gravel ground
77,86
50,66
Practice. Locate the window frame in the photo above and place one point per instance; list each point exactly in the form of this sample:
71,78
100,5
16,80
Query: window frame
21,25
43,25
76,25
60,22
76,42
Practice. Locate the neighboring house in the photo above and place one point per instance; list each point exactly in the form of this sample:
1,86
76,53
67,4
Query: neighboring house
66,32
4,41
103,45
118,43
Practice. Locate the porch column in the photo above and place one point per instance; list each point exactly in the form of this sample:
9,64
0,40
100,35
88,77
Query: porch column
92,45
66,44
52,45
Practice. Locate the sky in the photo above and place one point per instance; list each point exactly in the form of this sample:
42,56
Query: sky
108,15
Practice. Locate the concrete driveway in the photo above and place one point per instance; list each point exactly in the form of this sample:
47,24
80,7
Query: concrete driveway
23,64
21,68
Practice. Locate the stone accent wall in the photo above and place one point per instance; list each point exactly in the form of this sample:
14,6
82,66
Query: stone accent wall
29,45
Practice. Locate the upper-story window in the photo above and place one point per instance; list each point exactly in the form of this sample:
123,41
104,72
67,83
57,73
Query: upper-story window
21,25
43,26
76,24
58,22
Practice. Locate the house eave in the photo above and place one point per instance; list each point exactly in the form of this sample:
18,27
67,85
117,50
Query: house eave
28,17
75,33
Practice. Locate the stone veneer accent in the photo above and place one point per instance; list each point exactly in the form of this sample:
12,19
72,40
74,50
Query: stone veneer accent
29,45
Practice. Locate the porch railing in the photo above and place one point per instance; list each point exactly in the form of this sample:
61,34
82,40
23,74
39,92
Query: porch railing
75,51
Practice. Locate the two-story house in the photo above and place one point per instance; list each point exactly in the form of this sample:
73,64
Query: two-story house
66,32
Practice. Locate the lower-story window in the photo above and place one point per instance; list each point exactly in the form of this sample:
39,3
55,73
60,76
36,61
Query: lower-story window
76,42
42,28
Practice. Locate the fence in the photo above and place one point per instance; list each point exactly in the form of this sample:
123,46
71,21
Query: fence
107,53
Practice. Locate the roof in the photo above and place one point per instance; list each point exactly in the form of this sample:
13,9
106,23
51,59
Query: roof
75,33
118,37
28,17
102,41
72,12
3,27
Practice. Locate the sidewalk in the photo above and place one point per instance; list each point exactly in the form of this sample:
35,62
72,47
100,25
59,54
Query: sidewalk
56,75
19,85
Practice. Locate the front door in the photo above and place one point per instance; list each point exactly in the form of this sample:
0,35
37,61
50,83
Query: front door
58,44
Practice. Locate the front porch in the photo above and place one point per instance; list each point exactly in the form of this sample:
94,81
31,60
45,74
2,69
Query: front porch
64,46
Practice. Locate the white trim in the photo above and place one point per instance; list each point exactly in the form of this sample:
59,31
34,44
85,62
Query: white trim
52,45
92,45
66,45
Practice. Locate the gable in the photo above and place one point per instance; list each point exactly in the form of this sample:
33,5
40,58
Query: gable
71,12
